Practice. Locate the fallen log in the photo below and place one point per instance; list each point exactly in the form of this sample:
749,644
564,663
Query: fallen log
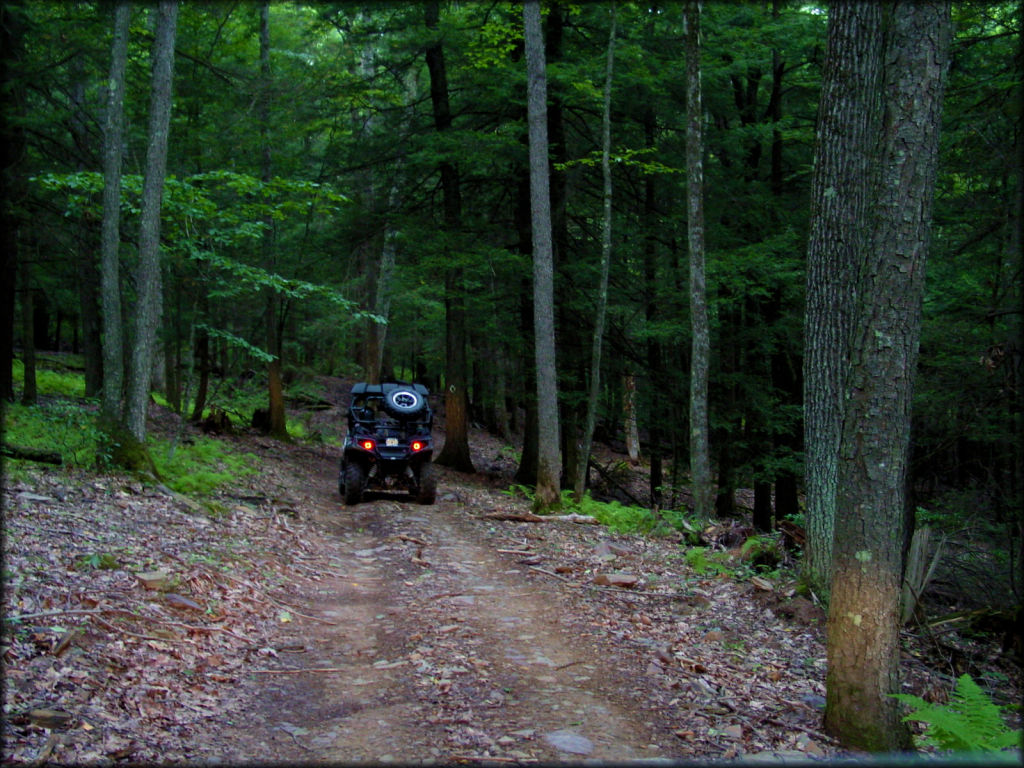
31,454
530,517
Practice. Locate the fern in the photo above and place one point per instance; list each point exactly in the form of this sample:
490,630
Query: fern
969,723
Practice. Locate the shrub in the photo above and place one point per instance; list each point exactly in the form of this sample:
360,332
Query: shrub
969,723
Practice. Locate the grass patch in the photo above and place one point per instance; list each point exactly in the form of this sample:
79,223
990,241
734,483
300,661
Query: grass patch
200,466
64,426
618,517
59,381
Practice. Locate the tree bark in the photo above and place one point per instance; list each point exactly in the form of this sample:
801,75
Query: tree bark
455,453
629,418
848,123
652,312
277,418
12,184
110,239
85,251
148,280
548,491
863,642
700,456
29,391
606,257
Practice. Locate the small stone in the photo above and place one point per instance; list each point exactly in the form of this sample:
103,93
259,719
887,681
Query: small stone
50,718
155,580
623,580
733,731
808,746
180,601
567,741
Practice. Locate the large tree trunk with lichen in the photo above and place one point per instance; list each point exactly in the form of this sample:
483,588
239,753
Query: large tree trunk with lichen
840,186
872,512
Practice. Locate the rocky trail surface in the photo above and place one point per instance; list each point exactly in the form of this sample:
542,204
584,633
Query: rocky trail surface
290,628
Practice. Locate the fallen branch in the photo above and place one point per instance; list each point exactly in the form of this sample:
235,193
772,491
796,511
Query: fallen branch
294,671
31,454
530,517
809,731
490,759
606,475
129,633
193,628
413,539
612,590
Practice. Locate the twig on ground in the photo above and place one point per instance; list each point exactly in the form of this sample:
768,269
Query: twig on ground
491,759
271,601
295,671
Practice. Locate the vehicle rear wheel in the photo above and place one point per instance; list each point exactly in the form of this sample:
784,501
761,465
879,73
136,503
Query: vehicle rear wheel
427,491
354,479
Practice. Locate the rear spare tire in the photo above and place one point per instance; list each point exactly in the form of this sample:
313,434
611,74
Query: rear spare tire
404,402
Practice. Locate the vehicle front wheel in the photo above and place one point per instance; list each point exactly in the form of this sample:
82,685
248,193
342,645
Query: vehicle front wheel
354,479
427,491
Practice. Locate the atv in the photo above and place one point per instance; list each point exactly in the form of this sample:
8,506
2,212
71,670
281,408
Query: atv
389,444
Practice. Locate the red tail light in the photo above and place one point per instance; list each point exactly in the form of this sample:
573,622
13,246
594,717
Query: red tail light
366,445
416,445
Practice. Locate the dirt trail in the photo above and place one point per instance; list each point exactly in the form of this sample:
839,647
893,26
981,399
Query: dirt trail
443,649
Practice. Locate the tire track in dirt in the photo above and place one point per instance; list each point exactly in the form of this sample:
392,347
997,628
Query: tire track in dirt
442,650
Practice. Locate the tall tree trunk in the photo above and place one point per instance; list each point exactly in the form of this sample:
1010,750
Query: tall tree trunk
203,361
700,457
863,641
606,258
110,239
848,123
148,280
629,417
85,251
652,311
548,491
277,423
455,453
29,391
12,184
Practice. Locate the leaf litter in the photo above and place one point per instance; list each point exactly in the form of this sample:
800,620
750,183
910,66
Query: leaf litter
287,627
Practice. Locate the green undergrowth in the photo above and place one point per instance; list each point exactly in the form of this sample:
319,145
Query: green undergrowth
619,517
200,466
67,427
53,376
969,723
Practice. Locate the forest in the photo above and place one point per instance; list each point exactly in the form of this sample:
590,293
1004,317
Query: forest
347,192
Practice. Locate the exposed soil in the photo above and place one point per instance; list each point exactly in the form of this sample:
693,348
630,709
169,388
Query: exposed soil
295,629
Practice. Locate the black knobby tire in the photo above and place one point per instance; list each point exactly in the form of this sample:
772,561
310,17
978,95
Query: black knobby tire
426,493
352,491
404,402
